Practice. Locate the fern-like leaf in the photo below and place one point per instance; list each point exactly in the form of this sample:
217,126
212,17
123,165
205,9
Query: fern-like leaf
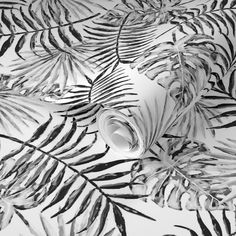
9,5
107,89
28,27
213,16
16,111
49,163
112,44
218,229
56,71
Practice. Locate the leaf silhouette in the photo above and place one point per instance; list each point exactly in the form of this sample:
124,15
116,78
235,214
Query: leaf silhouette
48,227
16,111
109,41
72,9
120,222
108,89
218,229
190,167
56,71
41,30
44,167
214,17
7,5
79,55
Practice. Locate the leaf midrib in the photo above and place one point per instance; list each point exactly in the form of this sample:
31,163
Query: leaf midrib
172,166
62,162
50,28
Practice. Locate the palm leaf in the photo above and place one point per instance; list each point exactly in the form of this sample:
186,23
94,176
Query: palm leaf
210,17
143,10
113,43
197,121
25,28
46,74
127,31
218,101
72,8
224,98
188,167
48,228
108,89
138,11
218,229
16,111
8,4
44,166
173,65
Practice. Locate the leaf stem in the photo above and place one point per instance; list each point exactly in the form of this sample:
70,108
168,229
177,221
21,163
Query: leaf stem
62,162
53,27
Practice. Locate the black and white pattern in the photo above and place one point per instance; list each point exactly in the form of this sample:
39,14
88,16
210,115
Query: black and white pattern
62,61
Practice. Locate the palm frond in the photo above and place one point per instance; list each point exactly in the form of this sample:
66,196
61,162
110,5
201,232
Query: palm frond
72,9
182,66
205,230
225,57
138,11
224,98
200,119
186,167
17,112
62,230
8,4
211,17
46,74
216,102
25,29
148,11
126,31
108,89
60,160
113,43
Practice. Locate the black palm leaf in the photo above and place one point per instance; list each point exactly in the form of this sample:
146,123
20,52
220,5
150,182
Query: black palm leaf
211,17
61,226
205,230
187,167
28,27
60,163
9,4
73,9
224,90
108,89
225,104
145,10
113,43
138,11
224,58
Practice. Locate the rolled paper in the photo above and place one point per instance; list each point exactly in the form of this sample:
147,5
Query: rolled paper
131,132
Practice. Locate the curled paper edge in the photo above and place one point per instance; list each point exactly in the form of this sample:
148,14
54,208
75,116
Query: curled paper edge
120,132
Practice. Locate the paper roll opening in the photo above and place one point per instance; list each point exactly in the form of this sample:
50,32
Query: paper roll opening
120,133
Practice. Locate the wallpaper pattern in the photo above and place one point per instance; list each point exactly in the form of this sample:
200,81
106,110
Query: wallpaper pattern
62,62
